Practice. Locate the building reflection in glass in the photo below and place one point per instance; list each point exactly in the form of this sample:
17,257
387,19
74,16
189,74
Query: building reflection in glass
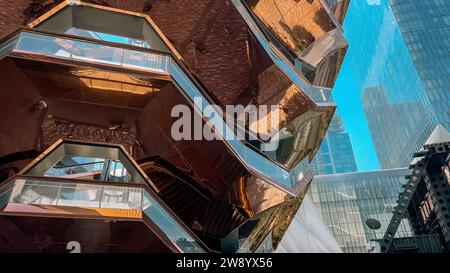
346,201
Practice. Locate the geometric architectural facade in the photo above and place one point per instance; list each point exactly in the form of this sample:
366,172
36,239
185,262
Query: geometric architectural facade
78,188
87,114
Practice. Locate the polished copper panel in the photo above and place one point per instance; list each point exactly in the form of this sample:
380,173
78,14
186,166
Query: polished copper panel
274,222
307,31
90,96
296,23
253,195
209,162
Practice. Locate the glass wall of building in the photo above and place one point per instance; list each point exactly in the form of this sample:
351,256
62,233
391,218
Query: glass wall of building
379,58
346,201
336,153
398,130
425,26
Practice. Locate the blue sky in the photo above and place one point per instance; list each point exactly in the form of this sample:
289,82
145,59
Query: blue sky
361,26
347,96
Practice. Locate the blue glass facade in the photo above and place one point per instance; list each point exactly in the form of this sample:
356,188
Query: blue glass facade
398,129
402,112
336,153
425,26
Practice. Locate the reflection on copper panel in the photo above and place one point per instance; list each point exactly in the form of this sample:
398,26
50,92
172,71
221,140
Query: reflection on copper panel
89,85
305,29
297,23
274,222
253,195
273,87
88,96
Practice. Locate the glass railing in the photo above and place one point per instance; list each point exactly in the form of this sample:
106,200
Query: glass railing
94,51
172,230
76,169
35,191
81,50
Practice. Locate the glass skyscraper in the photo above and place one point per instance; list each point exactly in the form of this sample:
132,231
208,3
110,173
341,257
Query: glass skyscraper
336,153
398,130
425,26
395,100
346,201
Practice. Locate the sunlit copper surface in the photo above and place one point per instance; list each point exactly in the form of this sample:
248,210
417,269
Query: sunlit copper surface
275,221
308,32
297,23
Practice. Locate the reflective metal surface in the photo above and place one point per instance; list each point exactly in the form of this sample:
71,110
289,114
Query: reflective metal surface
306,34
254,195
272,222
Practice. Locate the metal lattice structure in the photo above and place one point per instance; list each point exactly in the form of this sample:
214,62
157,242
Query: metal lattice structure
427,168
